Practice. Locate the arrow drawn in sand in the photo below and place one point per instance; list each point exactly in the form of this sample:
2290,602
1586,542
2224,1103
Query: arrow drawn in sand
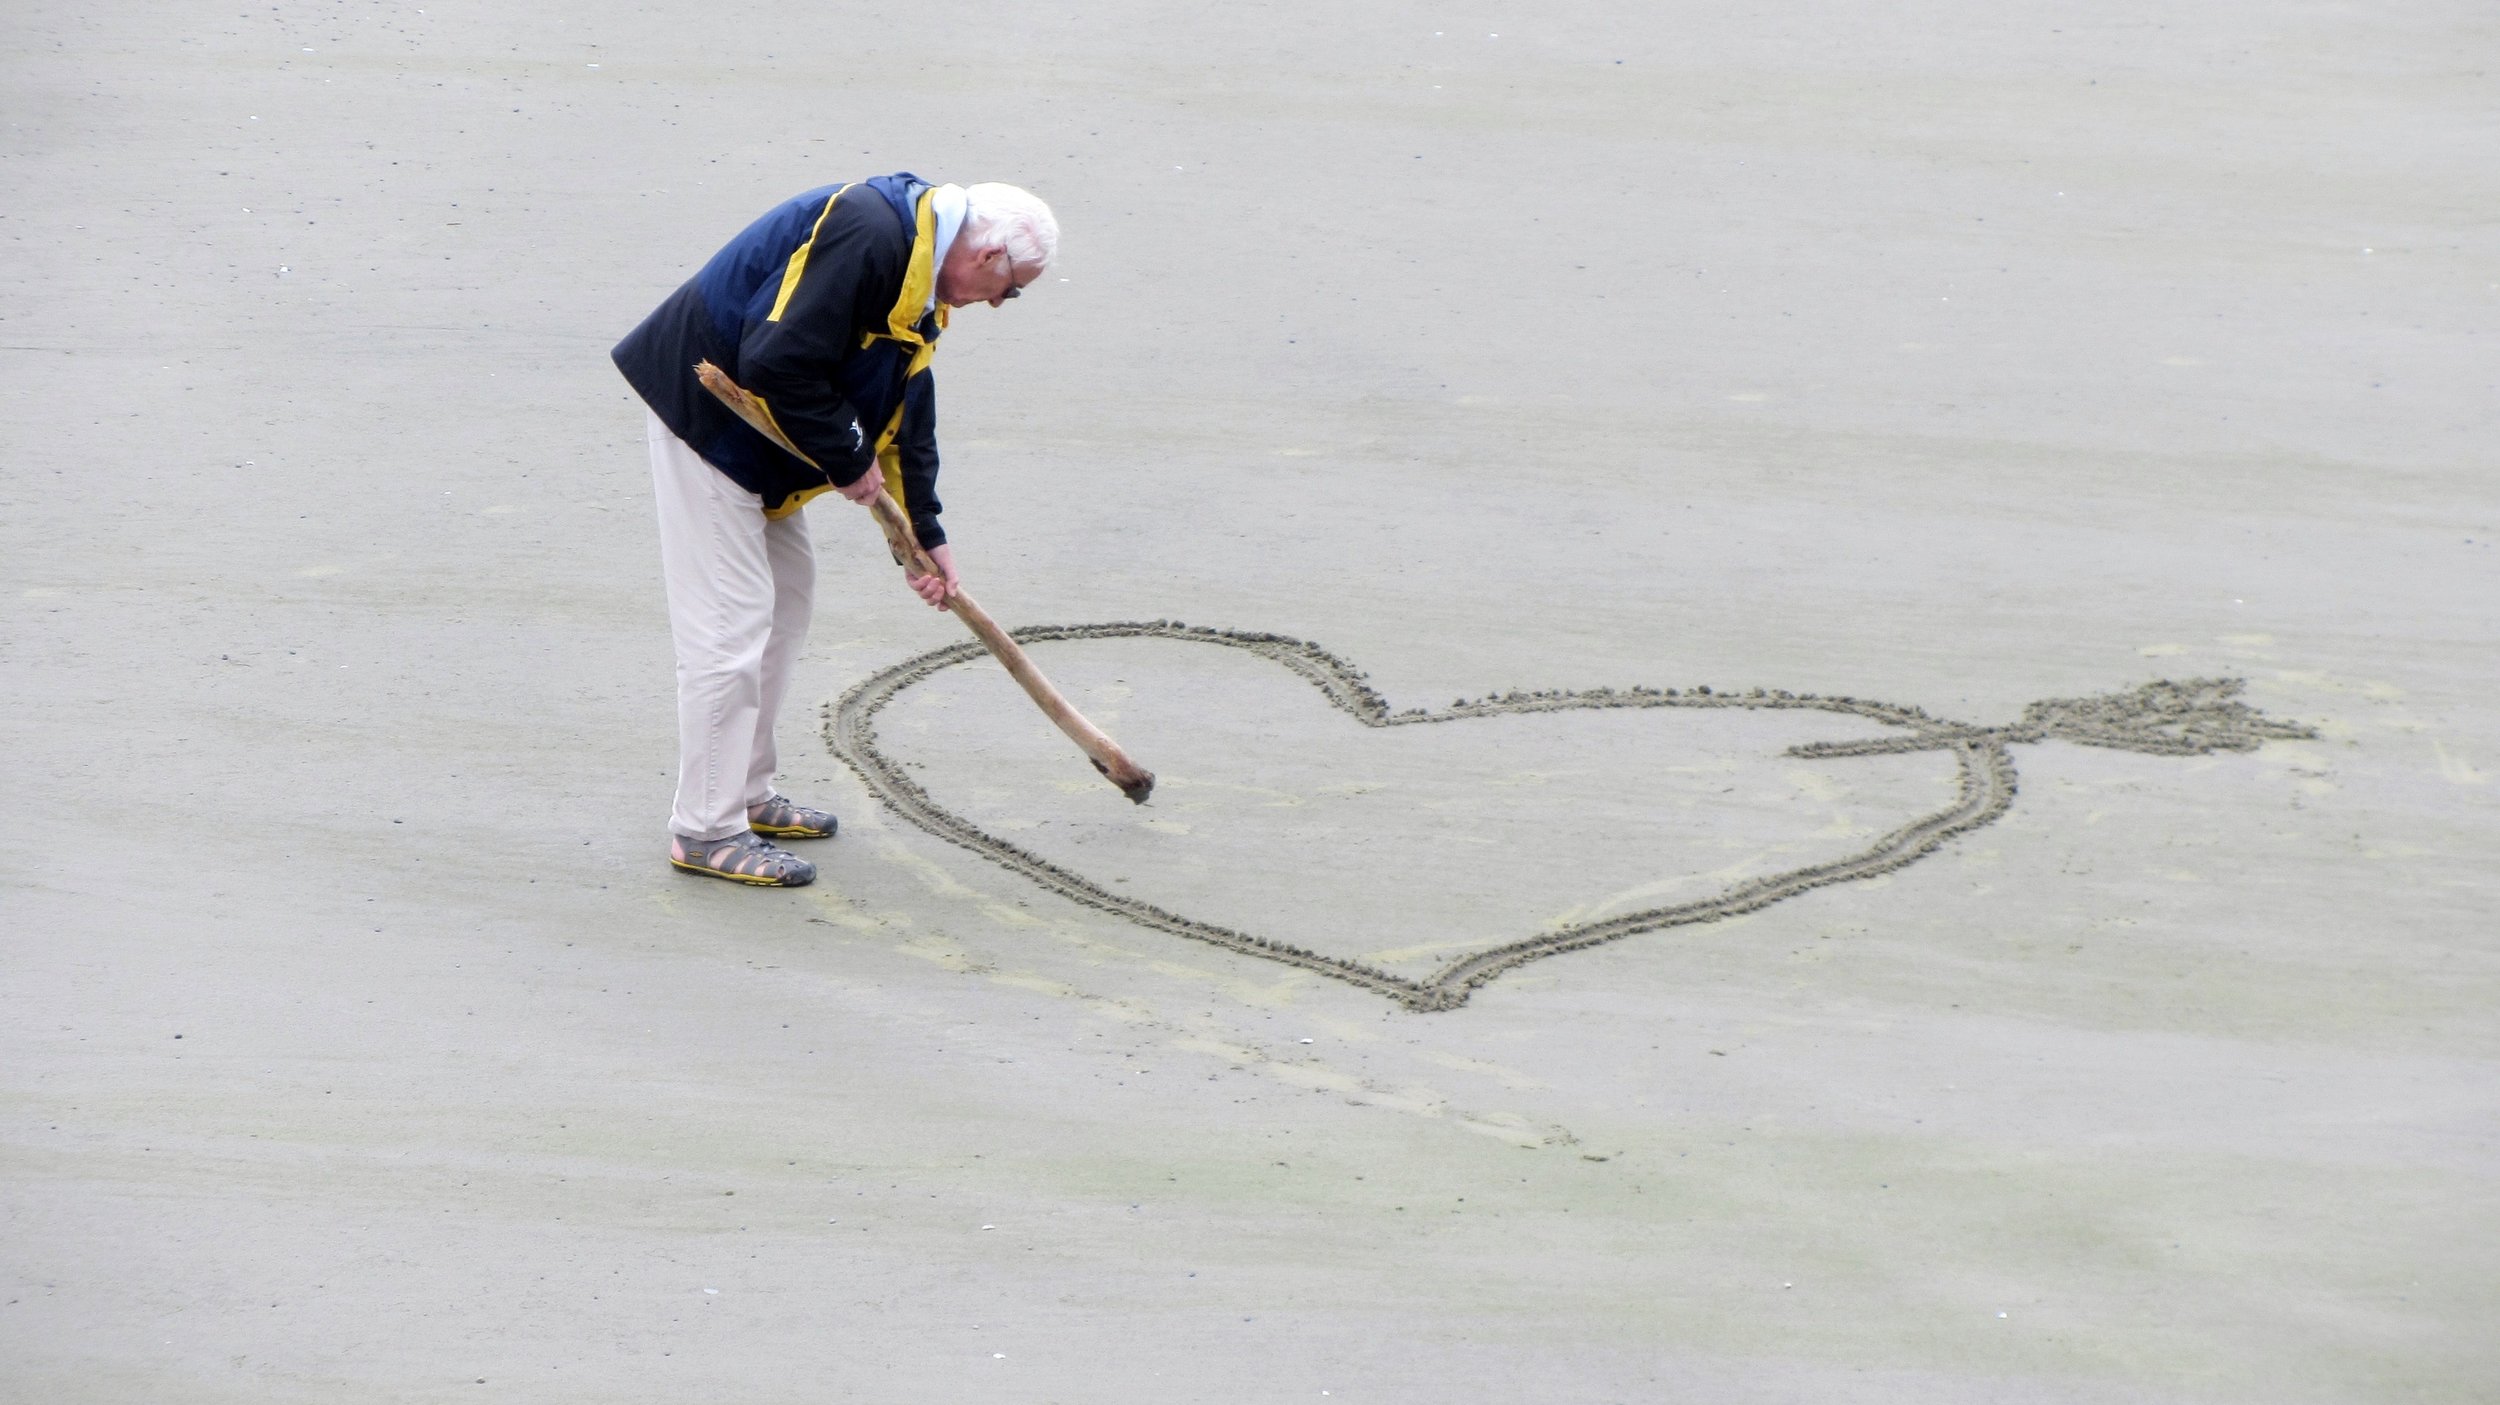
2187,717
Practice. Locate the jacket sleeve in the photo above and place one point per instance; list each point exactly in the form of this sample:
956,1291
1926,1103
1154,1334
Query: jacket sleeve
916,454
789,352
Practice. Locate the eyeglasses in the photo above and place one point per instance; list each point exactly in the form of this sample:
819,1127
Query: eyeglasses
1012,290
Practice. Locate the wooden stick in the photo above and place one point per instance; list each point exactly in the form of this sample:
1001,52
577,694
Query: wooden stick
1134,781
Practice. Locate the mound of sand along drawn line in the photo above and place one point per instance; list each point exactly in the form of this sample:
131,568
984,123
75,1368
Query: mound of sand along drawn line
1299,819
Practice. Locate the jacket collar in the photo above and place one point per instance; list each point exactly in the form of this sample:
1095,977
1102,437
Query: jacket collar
914,320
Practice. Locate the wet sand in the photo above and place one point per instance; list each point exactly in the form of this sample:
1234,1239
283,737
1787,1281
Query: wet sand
357,1045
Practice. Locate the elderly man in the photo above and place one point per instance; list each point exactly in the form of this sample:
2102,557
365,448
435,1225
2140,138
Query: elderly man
826,310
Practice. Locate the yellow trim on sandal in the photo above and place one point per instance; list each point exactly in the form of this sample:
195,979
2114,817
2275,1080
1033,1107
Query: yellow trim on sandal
752,880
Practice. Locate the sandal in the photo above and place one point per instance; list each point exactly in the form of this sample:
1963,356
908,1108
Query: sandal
741,858
784,819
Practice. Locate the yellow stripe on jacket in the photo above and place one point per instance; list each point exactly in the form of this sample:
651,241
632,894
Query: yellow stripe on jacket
902,324
796,268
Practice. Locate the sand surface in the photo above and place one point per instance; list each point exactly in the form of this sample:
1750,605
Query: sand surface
355,1044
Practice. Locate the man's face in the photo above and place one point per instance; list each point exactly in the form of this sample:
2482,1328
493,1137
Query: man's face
973,274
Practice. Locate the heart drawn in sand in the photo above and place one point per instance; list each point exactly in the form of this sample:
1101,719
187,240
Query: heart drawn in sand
2168,718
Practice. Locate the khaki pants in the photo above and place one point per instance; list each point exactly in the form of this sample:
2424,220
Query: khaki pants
740,588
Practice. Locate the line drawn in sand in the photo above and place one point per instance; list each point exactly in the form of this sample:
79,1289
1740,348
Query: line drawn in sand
2184,717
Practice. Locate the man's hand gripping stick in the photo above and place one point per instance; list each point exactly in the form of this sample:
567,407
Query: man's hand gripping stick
1134,781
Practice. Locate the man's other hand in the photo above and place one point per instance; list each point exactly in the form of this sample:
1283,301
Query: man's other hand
940,588
864,491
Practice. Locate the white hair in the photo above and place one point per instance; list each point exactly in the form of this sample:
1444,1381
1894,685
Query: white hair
1014,217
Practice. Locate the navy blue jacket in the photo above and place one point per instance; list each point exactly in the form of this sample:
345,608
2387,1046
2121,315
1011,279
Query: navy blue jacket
817,309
